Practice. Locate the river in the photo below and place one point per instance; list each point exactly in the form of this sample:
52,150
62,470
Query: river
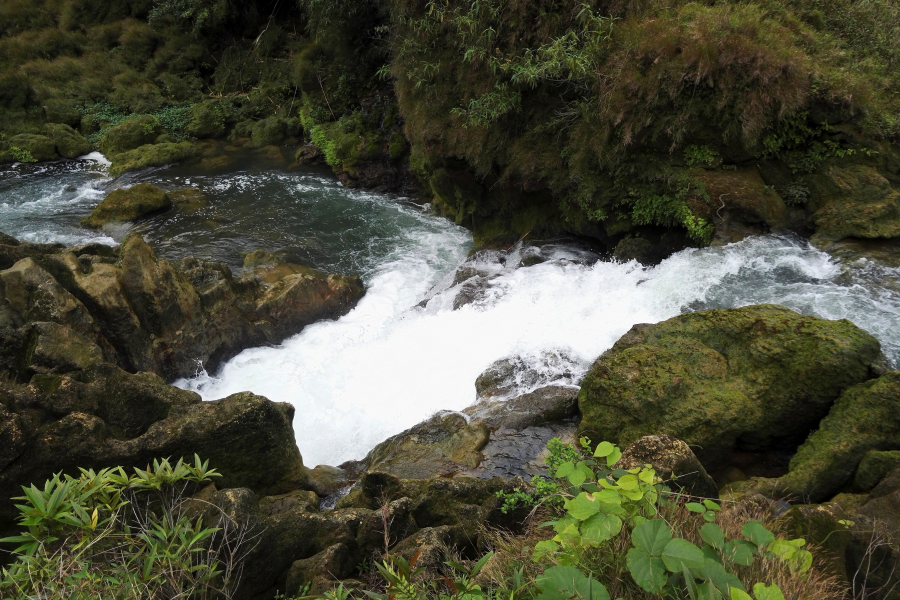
404,352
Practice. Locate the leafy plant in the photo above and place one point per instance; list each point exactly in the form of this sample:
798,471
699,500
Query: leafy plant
703,156
113,535
22,155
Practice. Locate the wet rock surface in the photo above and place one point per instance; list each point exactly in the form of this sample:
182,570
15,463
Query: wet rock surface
751,378
674,463
149,314
128,204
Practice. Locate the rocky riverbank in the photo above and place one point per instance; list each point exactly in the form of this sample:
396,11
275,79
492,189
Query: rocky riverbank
751,402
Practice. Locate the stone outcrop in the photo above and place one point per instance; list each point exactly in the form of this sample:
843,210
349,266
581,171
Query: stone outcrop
866,417
148,314
753,378
128,204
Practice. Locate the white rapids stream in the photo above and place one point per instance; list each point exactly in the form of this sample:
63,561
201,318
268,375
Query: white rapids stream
404,353
391,363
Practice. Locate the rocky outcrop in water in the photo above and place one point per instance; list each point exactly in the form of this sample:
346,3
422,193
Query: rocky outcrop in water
145,313
752,378
128,204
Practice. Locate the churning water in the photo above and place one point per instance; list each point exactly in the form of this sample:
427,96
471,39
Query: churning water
411,347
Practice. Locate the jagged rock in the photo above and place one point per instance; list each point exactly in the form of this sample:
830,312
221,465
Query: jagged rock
320,570
674,463
13,250
441,446
754,377
128,204
148,314
544,405
865,417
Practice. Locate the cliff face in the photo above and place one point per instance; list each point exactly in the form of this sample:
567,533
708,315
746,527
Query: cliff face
645,126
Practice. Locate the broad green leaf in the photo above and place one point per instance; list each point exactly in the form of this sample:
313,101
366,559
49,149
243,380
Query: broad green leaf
737,594
767,592
614,457
739,552
651,536
583,506
649,572
689,583
634,495
600,528
713,535
714,572
603,449
647,476
757,534
576,478
543,548
695,507
565,582
802,561
629,482
680,553
710,505
564,469
707,591
782,549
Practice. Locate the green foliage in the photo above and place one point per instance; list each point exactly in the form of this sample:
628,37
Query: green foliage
113,535
21,154
174,119
702,156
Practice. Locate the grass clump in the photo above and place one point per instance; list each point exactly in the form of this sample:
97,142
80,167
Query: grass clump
108,534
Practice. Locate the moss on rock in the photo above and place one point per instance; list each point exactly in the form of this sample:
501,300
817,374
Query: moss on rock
856,201
207,120
865,417
269,131
874,467
37,147
69,143
151,155
128,204
129,135
753,377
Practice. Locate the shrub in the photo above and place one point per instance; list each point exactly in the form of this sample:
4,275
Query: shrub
107,534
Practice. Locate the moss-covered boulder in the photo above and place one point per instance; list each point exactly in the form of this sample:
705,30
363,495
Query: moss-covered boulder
207,120
875,466
29,147
69,143
128,204
855,201
752,378
151,155
129,135
269,131
865,417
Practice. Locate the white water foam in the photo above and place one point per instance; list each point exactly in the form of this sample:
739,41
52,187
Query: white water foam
389,363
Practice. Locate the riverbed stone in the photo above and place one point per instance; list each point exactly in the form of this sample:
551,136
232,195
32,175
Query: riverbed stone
754,378
128,204
39,147
865,417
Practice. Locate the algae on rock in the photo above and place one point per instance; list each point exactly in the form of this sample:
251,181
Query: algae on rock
128,204
751,378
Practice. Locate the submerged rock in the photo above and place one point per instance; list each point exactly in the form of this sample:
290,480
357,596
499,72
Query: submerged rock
128,204
753,378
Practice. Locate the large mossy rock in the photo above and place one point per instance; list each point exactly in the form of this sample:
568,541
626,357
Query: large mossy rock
865,417
207,120
69,143
129,135
674,463
269,131
855,201
40,147
752,378
151,155
128,204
